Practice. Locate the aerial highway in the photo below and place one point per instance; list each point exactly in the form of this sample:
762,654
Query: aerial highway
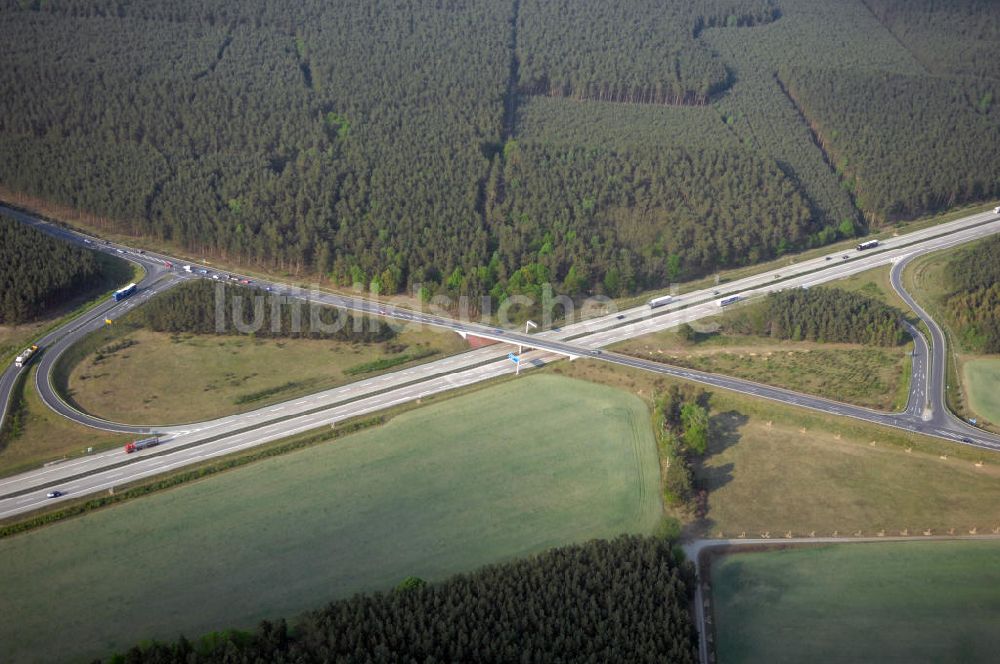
156,279
195,442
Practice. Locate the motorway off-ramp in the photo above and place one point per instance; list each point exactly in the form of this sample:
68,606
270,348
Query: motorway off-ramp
193,443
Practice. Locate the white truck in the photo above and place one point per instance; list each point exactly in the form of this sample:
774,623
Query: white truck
25,357
660,301
996,210
187,268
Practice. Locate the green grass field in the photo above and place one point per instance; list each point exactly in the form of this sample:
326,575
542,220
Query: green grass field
982,380
776,468
502,472
141,376
894,602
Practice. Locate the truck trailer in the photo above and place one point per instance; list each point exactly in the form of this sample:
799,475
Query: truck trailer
660,301
143,444
25,356
726,301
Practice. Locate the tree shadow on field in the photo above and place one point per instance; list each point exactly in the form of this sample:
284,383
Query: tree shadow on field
723,432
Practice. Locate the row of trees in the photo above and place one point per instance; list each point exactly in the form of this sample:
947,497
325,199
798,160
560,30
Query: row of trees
973,300
38,271
205,307
681,424
645,51
905,145
821,314
625,601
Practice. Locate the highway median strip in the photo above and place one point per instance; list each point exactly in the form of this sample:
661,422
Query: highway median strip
228,434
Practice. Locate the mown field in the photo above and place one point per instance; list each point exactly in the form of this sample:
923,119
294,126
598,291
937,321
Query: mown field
892,602
158,377
492,475
776,469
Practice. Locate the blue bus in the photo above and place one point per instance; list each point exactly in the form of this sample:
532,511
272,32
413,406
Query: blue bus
123,293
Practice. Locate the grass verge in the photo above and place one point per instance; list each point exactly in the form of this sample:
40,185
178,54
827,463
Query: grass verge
863,375
877,285
42,436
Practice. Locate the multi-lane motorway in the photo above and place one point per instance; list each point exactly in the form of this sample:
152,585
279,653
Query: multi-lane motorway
195,442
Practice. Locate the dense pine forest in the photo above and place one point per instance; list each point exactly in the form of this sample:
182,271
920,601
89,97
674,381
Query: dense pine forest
973,301
195,307
908,141
938,156
38,271
622,601
632,218
929,29
821,314
397,144
645,51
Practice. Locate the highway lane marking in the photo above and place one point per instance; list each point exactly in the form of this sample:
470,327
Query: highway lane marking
937,229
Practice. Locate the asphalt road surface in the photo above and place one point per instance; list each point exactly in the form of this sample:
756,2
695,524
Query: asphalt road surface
185,444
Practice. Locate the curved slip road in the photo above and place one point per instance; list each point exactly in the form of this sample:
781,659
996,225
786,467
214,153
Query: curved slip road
199,441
